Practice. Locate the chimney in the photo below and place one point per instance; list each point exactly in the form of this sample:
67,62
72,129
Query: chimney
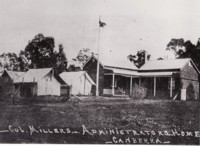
66,64
147,56
198,42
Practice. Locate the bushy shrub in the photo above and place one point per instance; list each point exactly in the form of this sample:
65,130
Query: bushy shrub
138,92
8,92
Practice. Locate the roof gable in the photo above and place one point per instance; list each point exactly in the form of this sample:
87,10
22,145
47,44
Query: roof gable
195,67
90,58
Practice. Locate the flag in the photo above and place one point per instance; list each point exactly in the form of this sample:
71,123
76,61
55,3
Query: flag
101,24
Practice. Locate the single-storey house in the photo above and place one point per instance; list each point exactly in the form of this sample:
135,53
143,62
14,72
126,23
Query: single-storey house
80,82
40,82
171,79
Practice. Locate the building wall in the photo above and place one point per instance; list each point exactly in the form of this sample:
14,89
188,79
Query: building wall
91,69
188,76
48,86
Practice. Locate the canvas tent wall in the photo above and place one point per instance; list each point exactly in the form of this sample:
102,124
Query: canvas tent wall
48,85
80,81
40,82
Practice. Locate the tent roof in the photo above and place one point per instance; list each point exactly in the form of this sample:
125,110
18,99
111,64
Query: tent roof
165,64
33,75
69,77
14,75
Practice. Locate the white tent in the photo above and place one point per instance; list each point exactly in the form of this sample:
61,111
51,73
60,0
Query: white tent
44,79
80,81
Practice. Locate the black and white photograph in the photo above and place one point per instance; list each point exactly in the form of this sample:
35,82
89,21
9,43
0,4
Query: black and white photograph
100,72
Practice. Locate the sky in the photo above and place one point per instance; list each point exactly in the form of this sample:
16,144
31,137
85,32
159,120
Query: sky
131,25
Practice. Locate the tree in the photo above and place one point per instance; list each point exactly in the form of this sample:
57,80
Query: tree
175,45
185,49
23,60
61,60
139,58
40,52
76,63
9,61
12,62
83,55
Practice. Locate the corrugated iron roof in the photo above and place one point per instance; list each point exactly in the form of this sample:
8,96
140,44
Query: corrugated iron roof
114,62
33,75
69,77
165,64
118,63
123,71
138,74
143,74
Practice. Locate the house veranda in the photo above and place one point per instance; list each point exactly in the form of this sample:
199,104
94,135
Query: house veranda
159,84
162,79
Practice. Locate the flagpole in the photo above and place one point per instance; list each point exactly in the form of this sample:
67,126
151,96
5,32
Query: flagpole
97,78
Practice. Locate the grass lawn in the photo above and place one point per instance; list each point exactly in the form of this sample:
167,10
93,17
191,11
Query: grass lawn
92,116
